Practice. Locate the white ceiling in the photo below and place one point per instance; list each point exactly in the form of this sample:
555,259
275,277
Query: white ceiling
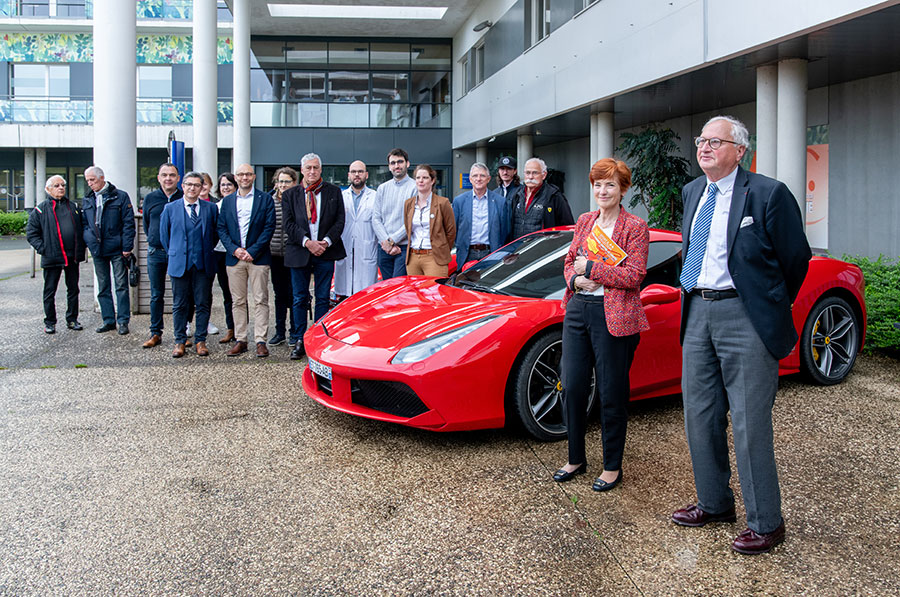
264,24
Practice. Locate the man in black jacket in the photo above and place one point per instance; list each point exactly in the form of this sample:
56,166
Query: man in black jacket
54,230
314,221
157,261
109,234
538,204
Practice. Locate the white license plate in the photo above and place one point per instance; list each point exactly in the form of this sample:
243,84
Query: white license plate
320,369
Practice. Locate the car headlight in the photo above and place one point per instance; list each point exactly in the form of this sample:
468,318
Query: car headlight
424,349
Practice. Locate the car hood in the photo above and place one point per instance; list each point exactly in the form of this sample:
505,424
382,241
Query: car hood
402,311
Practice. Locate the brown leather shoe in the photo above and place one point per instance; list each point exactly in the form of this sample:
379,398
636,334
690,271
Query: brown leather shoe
228,337
188,343
178,352
238,348
153,341
202,351
751,543
261,350
693,516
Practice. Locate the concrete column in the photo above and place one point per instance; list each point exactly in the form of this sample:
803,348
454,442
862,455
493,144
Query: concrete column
241,37
481,153
205,150
40,172
791,128
115,132
30,187
525,150
603,134
766,119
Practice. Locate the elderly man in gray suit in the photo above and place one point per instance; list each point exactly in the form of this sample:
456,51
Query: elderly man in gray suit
745,258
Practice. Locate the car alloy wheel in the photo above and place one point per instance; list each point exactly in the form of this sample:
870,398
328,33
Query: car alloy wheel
830,341
538,394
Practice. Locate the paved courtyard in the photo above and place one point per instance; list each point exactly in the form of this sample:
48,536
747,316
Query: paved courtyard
124,471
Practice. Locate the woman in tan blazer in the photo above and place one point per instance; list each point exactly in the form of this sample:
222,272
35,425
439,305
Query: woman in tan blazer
430,227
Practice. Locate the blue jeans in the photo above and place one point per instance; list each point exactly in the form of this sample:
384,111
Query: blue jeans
121,313
157,264
191,290
392,266
321,271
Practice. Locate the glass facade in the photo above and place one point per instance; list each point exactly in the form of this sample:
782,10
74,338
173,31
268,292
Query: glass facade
350,84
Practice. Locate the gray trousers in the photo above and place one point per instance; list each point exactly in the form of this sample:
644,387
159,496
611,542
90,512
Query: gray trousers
727,367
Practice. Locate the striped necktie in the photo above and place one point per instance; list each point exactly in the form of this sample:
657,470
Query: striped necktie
699,235
194,217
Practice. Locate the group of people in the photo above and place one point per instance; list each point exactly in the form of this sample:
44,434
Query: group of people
306,230
744,258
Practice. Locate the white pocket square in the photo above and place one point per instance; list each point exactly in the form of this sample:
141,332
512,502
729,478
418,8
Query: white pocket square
746,221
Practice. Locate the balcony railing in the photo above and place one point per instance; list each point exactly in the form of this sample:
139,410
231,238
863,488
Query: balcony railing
145,9
81,111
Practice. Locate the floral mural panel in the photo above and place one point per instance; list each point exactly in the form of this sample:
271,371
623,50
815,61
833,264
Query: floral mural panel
46,47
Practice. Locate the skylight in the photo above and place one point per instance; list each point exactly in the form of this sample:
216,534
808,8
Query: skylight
331,11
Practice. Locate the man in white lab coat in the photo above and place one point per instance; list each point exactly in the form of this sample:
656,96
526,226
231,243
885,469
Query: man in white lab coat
359,268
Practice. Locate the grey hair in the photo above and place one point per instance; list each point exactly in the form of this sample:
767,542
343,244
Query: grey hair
738,130
193,175
308,158
539,161
480,166
51,179
95,170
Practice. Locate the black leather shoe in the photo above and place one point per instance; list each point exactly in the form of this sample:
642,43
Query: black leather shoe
123,329
277,339
298,351
601,485
74,326
562,475
694,516
49,328
106,327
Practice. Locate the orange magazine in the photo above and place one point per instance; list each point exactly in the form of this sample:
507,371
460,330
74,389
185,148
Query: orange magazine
599,247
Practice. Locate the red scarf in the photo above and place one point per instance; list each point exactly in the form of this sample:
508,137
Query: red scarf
311,201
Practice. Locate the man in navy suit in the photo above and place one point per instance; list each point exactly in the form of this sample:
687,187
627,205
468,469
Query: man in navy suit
246,225
481,218
187,231
314,220
745,258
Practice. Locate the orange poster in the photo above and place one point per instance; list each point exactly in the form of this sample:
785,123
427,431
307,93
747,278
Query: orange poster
599,247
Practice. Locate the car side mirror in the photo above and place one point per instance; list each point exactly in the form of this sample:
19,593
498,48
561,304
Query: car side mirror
659,294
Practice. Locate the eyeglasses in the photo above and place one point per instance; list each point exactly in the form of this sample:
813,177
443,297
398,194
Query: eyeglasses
288,181
714,143
243,174
191,185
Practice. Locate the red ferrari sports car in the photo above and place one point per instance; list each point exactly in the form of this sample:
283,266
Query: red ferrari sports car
482,347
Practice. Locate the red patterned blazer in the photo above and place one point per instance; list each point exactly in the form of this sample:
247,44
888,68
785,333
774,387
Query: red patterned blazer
621,283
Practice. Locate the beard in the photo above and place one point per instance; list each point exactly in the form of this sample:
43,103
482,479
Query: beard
358,184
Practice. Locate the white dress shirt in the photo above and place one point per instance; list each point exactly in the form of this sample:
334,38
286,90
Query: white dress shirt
244,210
421,225
714,272
314,228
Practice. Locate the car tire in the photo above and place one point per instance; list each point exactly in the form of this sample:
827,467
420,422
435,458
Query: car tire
537,390
830,341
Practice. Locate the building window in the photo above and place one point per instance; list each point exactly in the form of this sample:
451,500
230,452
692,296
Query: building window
154,82
479,65
70,8
537,20
40,80
348,86
306,86
222,12
586,3
468,81
390,87
34,8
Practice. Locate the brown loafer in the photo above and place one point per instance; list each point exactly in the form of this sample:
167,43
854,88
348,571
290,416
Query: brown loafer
261,350
202,351
178,352
228,337
238,348
188,343
751,543
694,516
153,341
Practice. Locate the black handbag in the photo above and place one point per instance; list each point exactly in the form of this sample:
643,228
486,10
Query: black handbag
134,272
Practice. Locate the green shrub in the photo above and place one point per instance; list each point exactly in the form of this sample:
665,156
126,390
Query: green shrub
882,301
13,223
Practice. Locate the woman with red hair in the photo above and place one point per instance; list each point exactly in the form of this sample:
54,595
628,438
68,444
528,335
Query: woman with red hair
604,318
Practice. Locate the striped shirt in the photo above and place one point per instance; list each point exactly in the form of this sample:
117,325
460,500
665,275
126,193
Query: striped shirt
387,218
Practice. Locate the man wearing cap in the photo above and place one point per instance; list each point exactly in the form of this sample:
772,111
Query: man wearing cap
507,178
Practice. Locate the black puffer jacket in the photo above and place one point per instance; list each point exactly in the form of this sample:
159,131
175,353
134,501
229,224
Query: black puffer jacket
52,226
115,235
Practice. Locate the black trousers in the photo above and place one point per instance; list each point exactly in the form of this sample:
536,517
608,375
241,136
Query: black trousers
51,283
587,342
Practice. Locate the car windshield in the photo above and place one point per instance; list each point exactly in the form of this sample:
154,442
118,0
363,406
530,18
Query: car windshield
532,267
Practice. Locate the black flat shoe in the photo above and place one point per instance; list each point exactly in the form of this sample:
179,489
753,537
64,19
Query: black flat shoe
562,475
601,485
74,325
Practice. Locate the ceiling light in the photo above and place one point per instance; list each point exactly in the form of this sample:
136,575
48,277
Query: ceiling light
482,26
330,11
